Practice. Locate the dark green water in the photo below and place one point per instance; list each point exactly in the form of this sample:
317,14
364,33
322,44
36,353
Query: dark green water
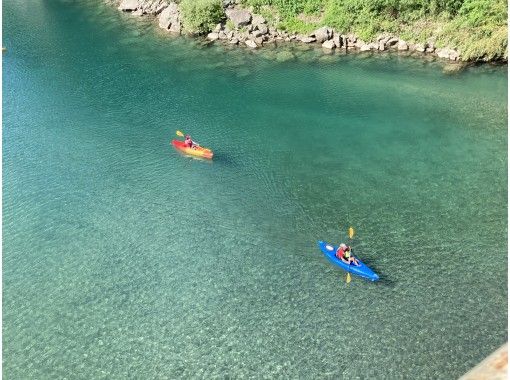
124,259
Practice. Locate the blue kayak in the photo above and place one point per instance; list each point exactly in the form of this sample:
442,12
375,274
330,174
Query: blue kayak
359,270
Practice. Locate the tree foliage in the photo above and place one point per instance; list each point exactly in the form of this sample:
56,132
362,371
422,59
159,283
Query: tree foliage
201,16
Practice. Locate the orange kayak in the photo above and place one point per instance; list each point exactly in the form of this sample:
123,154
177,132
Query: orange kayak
197,151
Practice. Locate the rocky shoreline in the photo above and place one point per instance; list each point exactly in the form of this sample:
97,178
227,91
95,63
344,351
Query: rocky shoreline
242,27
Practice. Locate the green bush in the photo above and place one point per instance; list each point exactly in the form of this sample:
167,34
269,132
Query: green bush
201,16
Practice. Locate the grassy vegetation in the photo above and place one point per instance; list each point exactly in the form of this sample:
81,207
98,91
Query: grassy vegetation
477,28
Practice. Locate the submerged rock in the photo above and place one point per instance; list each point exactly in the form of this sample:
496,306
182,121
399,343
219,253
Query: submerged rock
284,55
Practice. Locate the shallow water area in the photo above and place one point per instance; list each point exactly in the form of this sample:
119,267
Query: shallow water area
124,258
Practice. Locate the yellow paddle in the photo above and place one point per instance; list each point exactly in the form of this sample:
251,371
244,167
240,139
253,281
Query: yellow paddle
351,234
179,133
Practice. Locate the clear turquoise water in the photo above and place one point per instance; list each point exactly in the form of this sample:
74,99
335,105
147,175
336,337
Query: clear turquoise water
124,259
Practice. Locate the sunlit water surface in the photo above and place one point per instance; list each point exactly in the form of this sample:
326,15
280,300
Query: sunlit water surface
124,259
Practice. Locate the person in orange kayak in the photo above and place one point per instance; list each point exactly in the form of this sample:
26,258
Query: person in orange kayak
189,142
344,253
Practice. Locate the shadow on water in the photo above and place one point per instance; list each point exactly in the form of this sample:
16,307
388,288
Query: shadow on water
384,279
225,159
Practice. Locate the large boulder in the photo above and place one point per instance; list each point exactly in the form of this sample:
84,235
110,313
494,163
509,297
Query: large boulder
251,44
129,5
322,34
169,18
239,17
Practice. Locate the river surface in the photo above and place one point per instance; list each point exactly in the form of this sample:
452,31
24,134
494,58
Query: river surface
123,258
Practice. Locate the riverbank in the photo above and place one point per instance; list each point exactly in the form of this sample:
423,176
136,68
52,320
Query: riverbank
230,23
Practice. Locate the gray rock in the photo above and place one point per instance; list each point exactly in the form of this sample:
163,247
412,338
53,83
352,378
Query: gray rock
364,47
263,28
352,38
359,43
322,34
256,33
239,17
213,36
160,8
251,44
138,12
306,40
448,53
344,41
443,53
381,46
222,35
259,40
169,16
402,46
176,26
329,44
233,41
129,5
420,47
430,49
258,20
337,39
217,28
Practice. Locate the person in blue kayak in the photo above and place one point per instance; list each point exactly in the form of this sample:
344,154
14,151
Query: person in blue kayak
189,142
344,253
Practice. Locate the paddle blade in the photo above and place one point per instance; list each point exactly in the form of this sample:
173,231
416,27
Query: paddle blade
348,277
179,133
351,232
